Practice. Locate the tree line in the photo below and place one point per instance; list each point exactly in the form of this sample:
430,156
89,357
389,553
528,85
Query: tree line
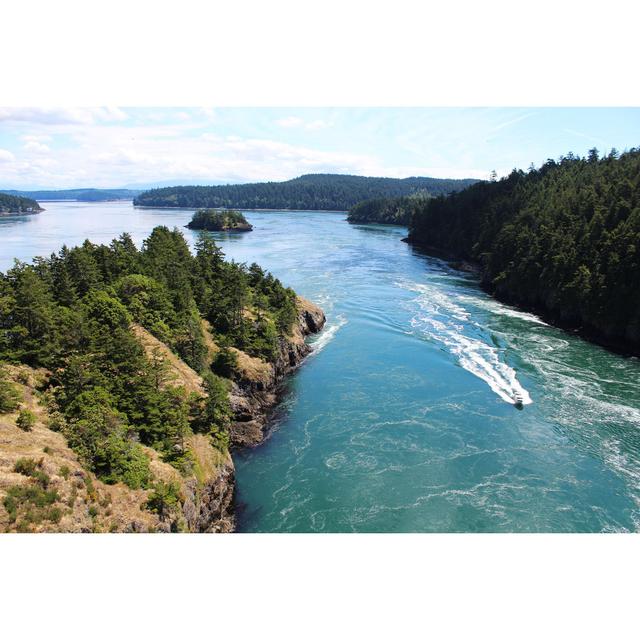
563,239
388,210
72,313
17,204
214,220
83,195
331,192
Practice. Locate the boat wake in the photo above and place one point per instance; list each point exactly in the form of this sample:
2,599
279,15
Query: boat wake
444,320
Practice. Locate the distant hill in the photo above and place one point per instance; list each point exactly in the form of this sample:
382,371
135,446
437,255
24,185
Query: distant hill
15,204
83,195
333,192
387,210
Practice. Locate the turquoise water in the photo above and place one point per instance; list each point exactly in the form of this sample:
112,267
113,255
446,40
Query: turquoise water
403,418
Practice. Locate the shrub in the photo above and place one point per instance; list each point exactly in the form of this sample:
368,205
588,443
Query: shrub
225,363
220,438
164,498
121,460
26,466
33,502
10,397
65,471
26,420
32,469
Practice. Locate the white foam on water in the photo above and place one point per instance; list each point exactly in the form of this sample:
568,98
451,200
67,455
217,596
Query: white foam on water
440,317
327,334
501,310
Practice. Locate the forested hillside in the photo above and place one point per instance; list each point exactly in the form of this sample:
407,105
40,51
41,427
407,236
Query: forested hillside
387,210
84,195
17,204
92,322
563,239
314,191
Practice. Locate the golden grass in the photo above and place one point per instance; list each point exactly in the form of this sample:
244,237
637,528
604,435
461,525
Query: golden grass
180,373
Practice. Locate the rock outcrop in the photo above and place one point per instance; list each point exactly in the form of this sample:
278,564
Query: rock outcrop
83,503
255,393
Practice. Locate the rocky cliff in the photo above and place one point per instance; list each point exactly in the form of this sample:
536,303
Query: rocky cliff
75,500
255,393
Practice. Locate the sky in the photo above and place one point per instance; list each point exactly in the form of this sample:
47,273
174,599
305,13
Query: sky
111,147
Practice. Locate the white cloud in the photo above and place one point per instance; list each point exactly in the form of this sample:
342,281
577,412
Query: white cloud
36,147
65,154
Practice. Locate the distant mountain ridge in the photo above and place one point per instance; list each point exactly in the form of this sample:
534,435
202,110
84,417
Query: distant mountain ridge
83,195
333,192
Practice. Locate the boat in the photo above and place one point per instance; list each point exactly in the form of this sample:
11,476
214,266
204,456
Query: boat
518,400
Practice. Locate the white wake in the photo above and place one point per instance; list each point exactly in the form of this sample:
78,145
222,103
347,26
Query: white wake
443,319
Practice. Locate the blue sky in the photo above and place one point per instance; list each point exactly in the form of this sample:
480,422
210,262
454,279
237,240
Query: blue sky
114,147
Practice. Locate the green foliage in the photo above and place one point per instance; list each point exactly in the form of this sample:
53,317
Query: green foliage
121,460
388,210
213,220
83,195
32,502
17,204
65,471
99,434
225,363
26,420
564,239
220,439
29,467
314,191
10,397
73,311
164,498
148,303
214,414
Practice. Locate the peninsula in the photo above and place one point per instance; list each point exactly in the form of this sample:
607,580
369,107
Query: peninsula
10,204
127,378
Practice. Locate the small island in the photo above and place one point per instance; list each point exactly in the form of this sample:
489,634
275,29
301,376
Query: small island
215,220
15,204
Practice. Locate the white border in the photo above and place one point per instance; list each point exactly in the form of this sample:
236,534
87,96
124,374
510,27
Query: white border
334,53
320,586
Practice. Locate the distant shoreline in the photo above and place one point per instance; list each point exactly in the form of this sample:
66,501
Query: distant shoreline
89,201
20,213
145,206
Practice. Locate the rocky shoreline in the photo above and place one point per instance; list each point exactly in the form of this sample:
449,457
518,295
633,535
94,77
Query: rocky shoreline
627,348
254,396
207,503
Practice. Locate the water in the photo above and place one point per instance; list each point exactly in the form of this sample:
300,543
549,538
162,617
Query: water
403,419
